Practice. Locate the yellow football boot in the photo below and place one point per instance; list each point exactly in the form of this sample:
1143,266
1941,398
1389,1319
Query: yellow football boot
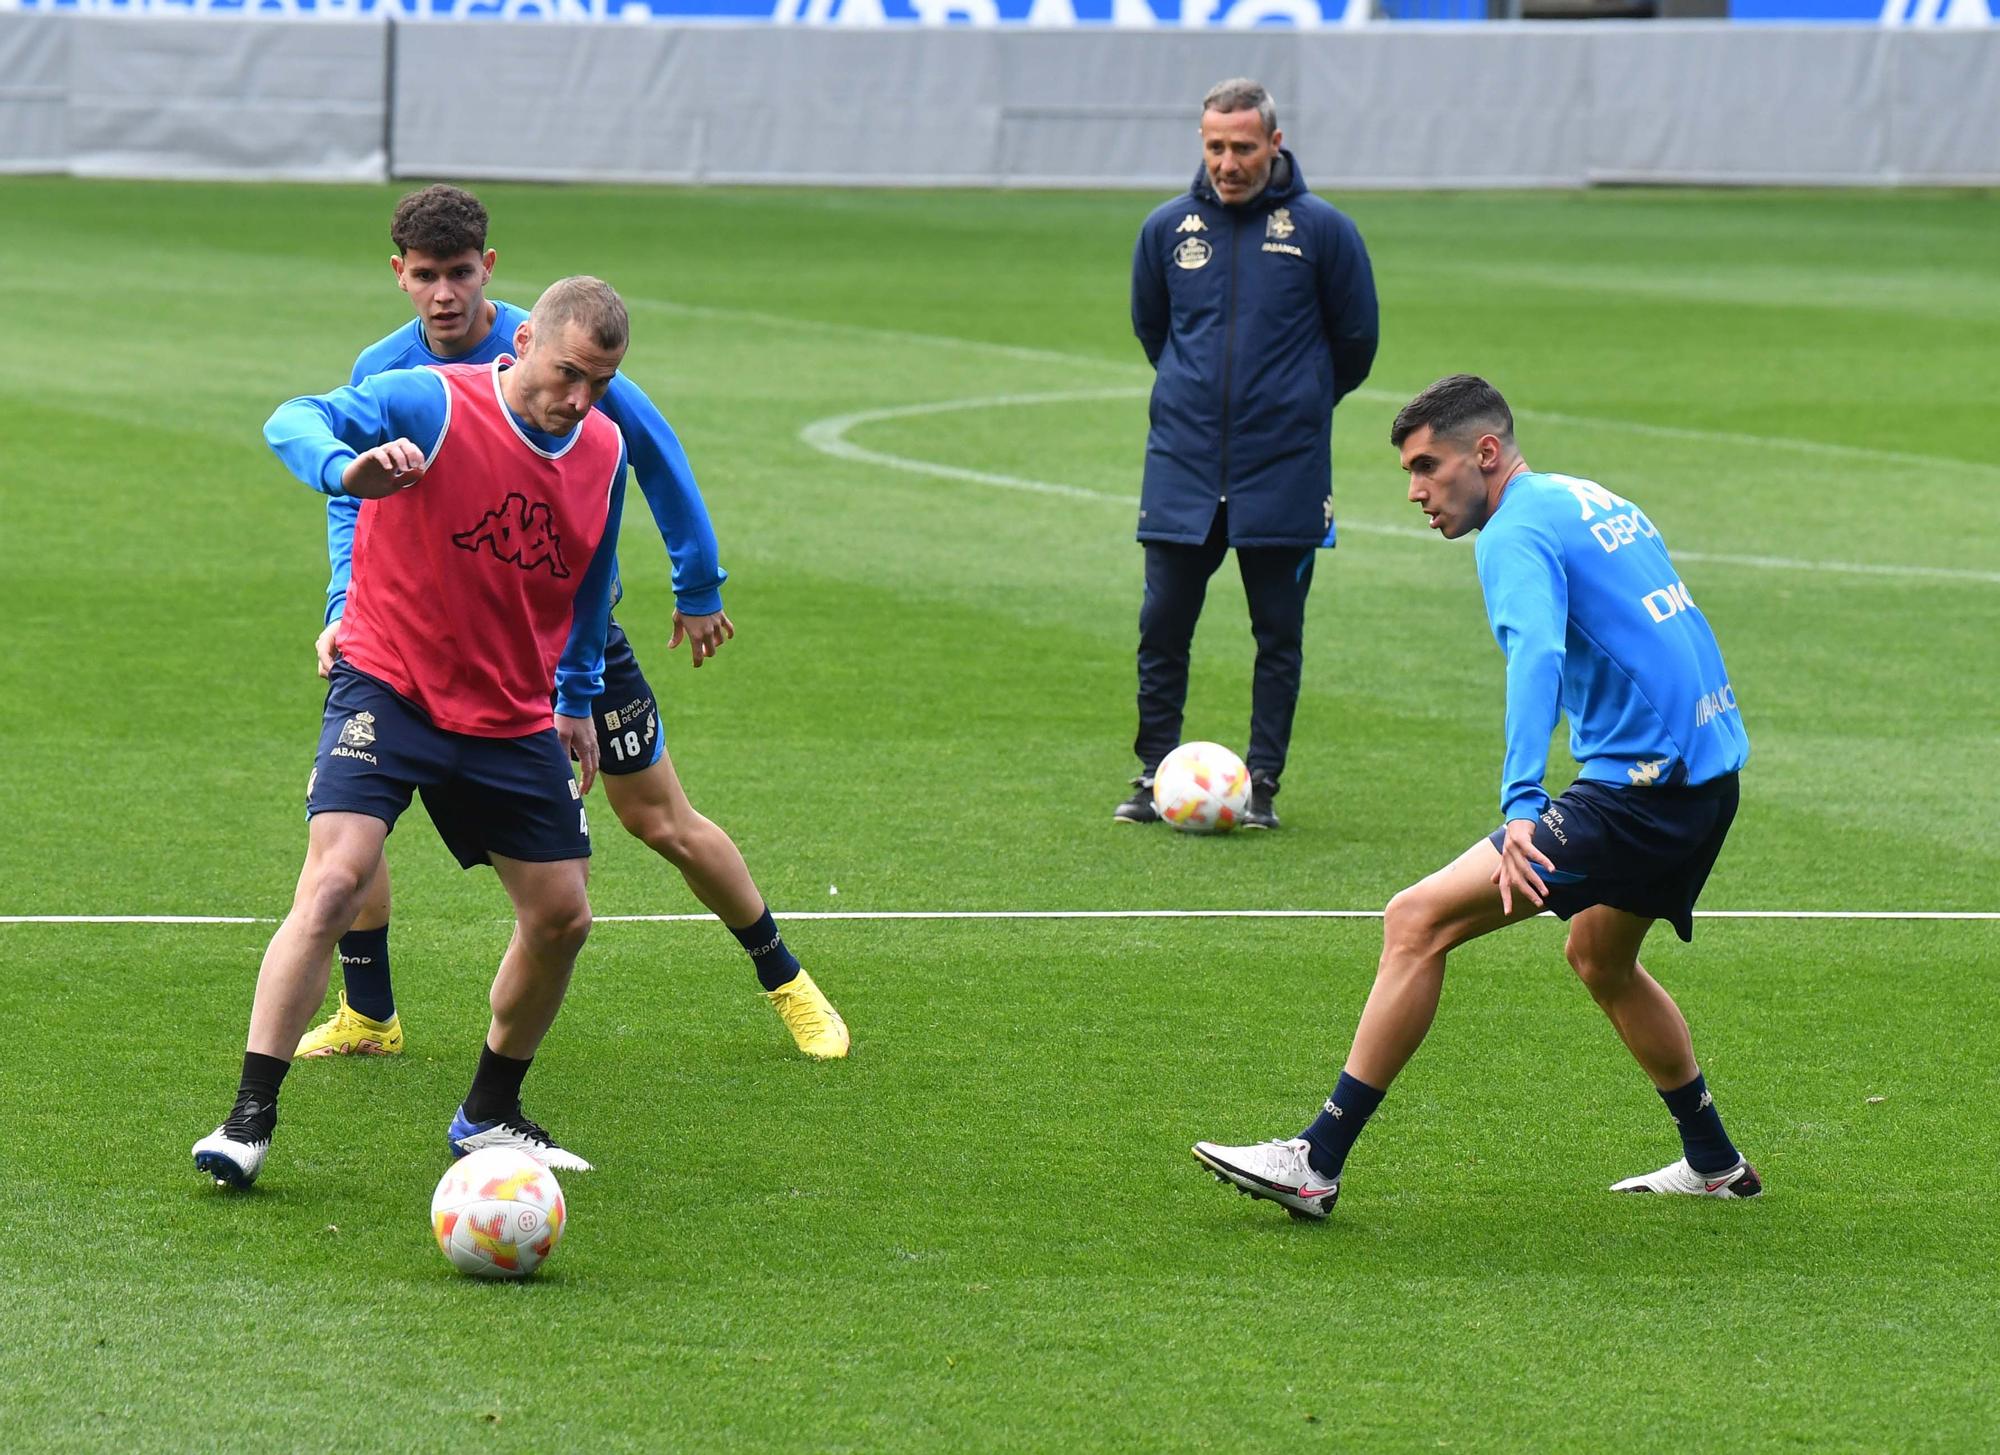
809,1016
349,1033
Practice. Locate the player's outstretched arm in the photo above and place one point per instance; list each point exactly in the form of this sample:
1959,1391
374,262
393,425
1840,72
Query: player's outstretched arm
318,436
383,470
666,479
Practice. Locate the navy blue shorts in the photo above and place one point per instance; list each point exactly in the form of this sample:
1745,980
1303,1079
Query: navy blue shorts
510,796
627,716
1647,851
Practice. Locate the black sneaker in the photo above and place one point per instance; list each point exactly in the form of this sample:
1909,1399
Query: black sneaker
1260,814
1139,808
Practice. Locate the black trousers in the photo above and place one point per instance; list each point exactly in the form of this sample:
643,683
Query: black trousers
1276,580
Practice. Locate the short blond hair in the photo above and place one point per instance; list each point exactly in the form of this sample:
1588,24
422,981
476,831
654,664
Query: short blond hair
585,300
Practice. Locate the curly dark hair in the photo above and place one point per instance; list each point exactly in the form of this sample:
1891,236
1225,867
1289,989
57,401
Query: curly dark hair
441,220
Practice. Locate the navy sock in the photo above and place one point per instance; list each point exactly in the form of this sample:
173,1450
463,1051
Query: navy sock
1707,1146
775,965
1340,1121
364,967
496,1086
256,1109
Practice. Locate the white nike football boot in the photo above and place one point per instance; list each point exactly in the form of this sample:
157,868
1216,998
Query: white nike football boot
518,1132
1277,1171
233,1161
1738,1181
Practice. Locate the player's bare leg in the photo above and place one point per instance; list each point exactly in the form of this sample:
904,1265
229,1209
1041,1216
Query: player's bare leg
655,810
1603,949
374,911
551,923
365,1022
1423,924
341,852
1460,902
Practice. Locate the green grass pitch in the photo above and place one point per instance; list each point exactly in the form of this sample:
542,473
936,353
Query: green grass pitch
984,1231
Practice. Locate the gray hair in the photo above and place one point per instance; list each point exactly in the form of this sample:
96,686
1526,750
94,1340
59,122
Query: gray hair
589,301
1240,93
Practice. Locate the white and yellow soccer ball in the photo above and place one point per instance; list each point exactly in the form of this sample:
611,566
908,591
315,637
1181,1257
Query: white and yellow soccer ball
498,1213
1201,788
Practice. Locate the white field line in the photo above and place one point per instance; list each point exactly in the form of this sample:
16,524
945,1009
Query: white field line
829,437
1023,354
132,919
1021,914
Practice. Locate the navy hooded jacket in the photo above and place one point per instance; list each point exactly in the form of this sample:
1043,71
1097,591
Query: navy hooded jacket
1258,319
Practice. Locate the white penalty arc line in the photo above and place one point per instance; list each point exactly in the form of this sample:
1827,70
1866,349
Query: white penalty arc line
1022,914
1020,353
829,437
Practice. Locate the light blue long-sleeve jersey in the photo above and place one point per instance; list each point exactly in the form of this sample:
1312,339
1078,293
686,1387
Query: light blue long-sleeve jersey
1596,624
658,461
318,434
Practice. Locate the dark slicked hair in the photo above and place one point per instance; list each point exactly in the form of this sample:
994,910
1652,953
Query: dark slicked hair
1456,404
441,220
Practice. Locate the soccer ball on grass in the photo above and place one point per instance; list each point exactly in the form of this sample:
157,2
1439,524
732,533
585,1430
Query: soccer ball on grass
1201,788
498,1213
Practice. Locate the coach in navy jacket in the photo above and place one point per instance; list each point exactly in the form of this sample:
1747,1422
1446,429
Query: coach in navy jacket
1255,303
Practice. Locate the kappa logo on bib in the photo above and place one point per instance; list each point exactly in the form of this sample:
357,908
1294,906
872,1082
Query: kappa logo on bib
521,534
1194,253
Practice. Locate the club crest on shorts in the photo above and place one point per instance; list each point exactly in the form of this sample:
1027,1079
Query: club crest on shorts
358,731
1194,253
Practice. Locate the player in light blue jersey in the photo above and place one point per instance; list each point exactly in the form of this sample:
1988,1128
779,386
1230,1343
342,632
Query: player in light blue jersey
443,264
1598,626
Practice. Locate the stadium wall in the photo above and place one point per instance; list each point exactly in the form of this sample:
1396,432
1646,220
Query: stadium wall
1556,105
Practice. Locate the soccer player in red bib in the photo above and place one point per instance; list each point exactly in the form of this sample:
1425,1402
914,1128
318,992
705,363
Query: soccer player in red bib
484,559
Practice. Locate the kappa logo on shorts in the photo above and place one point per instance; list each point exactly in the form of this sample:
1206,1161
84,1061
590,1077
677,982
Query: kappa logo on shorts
518,533
358,731
1646,774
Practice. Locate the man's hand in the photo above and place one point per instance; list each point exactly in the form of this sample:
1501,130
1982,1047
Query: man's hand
579,735
705,634
1517,873
328,647
383,470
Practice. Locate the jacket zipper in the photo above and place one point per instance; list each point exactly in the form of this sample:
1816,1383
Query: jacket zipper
1229,351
